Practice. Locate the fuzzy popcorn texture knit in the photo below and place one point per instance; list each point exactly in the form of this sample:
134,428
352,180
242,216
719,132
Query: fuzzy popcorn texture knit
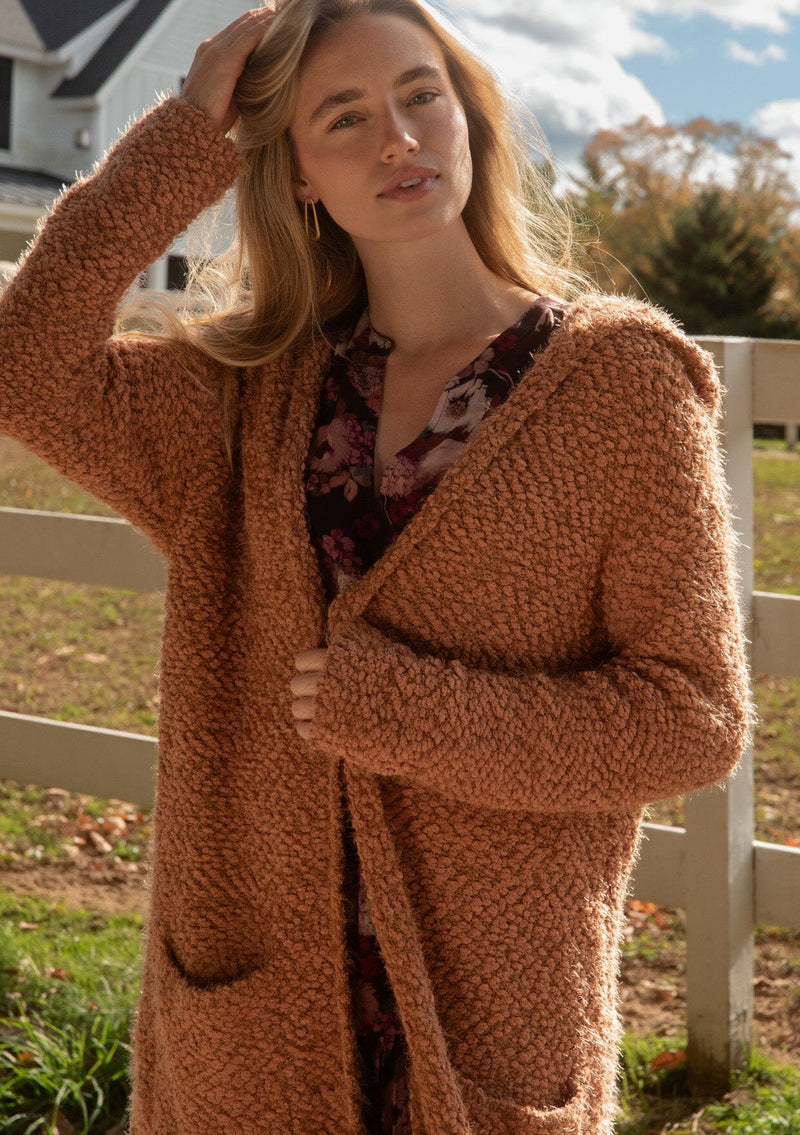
552,642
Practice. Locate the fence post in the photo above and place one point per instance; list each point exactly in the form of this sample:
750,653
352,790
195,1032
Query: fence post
720,825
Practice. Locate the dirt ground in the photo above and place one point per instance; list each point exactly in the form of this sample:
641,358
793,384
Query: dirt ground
653,978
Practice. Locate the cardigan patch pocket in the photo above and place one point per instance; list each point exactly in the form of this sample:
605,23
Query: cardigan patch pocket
207,985
498,1115
200,1029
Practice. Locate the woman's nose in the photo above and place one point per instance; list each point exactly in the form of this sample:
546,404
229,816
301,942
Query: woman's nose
398,137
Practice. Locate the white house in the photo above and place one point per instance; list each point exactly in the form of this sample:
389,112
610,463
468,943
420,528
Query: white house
73,73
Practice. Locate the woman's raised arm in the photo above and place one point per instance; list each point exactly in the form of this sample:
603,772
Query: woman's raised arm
120,415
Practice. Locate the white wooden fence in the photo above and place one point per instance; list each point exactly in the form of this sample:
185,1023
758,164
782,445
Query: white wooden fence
726,881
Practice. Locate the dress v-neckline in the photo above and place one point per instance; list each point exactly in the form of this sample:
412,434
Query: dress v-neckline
447,478
384,344
377,485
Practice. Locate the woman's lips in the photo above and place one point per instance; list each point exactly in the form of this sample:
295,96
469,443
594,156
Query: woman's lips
411,192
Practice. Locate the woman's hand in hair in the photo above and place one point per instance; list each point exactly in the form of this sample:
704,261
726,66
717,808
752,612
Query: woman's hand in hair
219,62
310,664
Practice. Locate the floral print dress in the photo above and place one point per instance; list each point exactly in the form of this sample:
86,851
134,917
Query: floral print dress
350,530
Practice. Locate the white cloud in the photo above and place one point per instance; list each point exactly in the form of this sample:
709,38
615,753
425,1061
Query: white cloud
778,118
781,120
572,23
568,65
768,14
741,54
564,65
615,25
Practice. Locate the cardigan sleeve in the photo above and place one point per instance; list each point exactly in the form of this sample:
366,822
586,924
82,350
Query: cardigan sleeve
667,711
116,414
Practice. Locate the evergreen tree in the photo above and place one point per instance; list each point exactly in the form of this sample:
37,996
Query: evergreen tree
715,271
642,180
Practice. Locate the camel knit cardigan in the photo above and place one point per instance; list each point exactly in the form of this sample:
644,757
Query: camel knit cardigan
553,641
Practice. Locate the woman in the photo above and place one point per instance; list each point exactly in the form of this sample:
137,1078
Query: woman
451,592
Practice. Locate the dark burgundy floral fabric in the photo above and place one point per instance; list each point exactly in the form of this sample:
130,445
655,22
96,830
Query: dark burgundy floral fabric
350,530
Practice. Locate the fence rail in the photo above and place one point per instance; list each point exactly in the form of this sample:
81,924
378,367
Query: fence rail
714,868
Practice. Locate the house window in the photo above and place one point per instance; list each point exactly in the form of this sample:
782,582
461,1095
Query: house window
5,102
177,272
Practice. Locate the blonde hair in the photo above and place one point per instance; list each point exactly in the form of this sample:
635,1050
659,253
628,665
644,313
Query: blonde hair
275,288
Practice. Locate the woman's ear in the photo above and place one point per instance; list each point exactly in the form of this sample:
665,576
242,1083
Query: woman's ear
302,191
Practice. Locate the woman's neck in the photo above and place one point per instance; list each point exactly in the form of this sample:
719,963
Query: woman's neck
432,294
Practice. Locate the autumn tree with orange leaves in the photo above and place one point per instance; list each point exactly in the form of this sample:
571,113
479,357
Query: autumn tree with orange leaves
643,179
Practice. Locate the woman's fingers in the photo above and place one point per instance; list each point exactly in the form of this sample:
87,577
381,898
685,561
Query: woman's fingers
219,62
310,665
313,659
303,709
305,684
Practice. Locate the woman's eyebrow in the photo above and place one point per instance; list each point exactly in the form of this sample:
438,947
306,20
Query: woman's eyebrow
330,102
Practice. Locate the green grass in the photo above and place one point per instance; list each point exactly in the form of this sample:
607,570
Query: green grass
27,482
647,1094
69,982
655,1097
80,653
773,1106
776,483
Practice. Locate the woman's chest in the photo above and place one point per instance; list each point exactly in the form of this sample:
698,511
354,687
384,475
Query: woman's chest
409,402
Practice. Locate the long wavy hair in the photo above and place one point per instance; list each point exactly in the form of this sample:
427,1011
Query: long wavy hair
274,288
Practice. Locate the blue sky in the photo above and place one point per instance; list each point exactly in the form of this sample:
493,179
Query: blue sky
705,73
584,65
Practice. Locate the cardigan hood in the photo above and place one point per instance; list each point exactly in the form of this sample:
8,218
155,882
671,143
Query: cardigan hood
552,642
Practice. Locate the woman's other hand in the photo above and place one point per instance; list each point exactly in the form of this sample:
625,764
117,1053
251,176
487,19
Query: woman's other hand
310,664
219,62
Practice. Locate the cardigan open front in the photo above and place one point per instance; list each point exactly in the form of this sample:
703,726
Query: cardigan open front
553,641
350,530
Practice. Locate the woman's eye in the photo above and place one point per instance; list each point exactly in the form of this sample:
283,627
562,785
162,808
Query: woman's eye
345,120
426,96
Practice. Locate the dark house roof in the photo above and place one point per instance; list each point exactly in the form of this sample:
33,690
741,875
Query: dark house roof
58,21
24,187
118,45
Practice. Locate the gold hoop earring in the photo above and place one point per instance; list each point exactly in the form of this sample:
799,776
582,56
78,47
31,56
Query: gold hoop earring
310,201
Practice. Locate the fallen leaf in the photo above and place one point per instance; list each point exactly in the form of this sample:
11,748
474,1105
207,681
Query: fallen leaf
665,993
63,1126
100,843
27,925
672,1058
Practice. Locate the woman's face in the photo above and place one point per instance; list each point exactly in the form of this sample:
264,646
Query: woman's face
376,106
